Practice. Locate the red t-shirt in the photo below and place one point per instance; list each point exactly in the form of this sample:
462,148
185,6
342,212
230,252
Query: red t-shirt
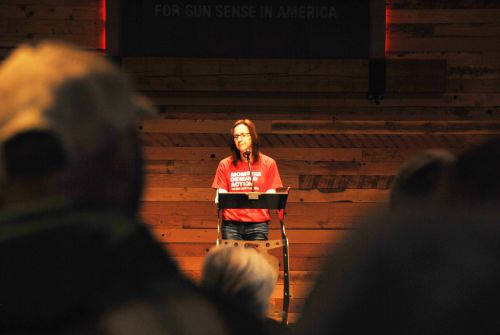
237,179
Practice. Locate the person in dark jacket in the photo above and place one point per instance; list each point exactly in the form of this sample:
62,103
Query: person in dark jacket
74,258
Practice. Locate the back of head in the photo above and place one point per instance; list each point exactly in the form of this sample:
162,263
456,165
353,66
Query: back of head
474,178
64,109
409,273
240,275
419,177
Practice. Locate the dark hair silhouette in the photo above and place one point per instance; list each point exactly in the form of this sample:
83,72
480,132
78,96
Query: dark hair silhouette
475,176
412,273
419,177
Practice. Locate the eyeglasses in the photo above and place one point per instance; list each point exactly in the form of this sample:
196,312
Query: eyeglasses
244,135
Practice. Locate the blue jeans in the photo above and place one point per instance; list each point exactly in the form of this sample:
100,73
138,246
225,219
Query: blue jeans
248,231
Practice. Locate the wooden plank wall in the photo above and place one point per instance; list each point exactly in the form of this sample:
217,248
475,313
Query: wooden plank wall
77,21
338,150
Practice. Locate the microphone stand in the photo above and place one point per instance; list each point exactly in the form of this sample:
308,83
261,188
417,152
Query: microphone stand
250,169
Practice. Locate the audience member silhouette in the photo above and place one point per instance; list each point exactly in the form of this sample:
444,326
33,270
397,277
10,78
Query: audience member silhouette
417,180
244,280
73,256
474,179
431,271
412,273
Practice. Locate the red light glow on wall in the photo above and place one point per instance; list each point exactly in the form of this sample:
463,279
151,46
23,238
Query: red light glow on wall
102,40
387,22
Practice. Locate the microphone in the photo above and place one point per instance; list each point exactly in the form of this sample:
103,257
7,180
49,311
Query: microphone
246,154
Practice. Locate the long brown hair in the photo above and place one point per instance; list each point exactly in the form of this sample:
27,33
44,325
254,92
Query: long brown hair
255,141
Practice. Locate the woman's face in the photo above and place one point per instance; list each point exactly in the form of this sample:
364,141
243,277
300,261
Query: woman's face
242,138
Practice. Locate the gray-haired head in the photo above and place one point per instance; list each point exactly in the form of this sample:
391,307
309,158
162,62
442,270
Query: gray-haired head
74,94
70,114
241,274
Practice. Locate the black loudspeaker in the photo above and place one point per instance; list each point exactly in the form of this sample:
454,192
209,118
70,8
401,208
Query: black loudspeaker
376,79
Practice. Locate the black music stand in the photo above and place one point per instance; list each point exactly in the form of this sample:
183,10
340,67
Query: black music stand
258,200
